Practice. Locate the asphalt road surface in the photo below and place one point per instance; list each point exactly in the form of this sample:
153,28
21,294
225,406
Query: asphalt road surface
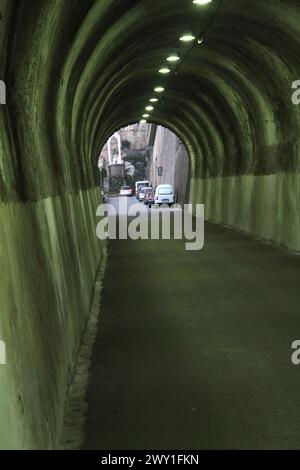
194,348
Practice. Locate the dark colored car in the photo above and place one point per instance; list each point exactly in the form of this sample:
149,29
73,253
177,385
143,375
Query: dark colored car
149,197
142,194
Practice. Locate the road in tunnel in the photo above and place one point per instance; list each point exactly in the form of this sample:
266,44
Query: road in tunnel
75,72
193,349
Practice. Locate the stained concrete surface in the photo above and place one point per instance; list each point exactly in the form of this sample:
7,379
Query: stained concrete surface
74,416
49,255
266,206
193,348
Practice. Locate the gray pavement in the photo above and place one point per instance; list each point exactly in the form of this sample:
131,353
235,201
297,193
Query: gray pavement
193,348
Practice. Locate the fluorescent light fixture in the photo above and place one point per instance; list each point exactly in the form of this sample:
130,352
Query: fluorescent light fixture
164,70
149,108
159,89
187,38
202,2
143,121
173,58
146,115
153,100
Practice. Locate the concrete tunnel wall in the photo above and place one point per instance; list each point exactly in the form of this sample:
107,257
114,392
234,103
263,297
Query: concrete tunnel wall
77,71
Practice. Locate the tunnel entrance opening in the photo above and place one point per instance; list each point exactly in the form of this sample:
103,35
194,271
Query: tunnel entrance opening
144,154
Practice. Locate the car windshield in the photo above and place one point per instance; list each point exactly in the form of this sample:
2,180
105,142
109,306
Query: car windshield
144,190
165,191
126,187
142,185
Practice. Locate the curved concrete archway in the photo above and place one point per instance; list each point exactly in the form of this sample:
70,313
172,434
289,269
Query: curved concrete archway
74,73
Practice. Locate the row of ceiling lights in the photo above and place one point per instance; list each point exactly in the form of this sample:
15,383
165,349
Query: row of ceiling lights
172,59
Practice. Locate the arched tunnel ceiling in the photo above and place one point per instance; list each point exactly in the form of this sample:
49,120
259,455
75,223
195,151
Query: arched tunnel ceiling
77,71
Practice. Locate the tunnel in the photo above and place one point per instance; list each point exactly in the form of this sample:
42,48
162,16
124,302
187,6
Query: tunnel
76,72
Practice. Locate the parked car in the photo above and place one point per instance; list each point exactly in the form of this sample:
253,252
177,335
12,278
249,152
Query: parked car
139,185
150,197
142,193
126,191
164,194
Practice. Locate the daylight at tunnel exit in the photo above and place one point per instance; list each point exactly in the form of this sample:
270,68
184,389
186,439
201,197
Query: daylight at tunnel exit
149,228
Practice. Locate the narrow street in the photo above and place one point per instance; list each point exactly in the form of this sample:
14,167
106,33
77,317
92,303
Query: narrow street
194,348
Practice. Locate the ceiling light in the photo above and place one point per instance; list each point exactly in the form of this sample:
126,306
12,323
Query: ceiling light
173,58
143,121
146,115
201,2
164,70
159,89
187,38
153,100
149,108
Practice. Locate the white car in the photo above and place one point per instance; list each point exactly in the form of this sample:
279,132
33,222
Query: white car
126,191
164,194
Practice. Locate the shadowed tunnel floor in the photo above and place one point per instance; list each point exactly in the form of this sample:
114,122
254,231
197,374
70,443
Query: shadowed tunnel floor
194,348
